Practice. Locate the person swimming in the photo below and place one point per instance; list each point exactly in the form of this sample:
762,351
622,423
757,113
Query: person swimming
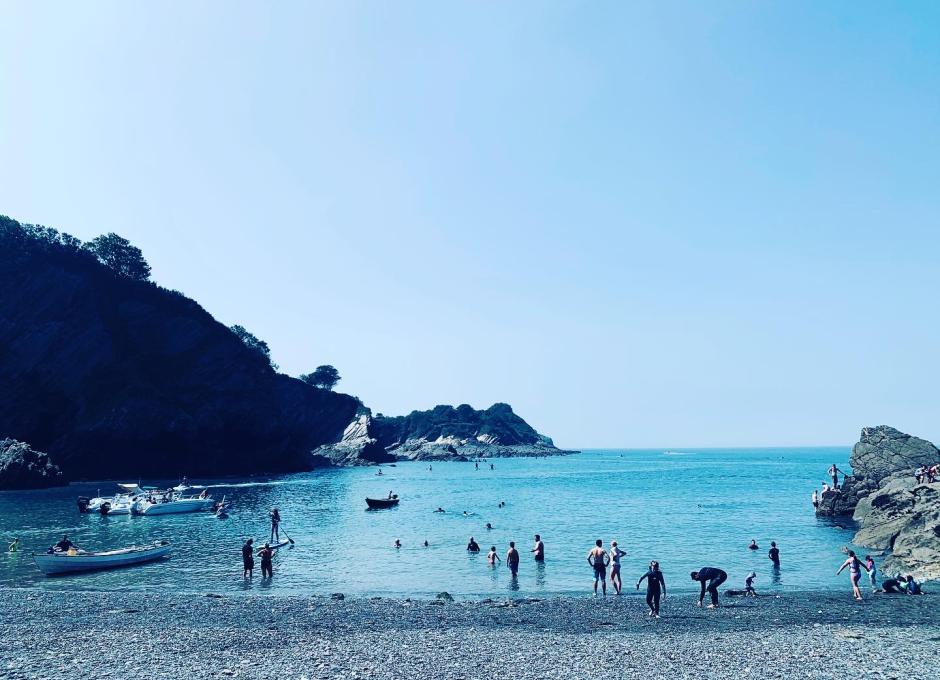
753,545
397,543
488,526
598,558
439,510
491,556
473,546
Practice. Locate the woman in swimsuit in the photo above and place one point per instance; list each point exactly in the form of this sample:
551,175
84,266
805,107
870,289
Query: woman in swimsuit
855,573
615,555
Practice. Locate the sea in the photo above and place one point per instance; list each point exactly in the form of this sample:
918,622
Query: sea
686,508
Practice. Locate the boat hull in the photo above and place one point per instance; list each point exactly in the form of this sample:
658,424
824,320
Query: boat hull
53,565
173,507
380,503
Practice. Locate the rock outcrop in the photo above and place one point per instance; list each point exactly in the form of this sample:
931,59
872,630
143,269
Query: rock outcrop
894,513
23,468
442,433
116,377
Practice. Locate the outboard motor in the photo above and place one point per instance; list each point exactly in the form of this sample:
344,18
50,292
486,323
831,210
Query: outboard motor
105,508
83,502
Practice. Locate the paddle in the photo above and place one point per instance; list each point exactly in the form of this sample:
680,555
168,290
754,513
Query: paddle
289,539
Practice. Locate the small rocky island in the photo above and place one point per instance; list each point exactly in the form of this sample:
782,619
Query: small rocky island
105,374
894,512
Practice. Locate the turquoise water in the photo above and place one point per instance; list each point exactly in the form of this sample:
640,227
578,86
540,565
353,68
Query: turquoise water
685,508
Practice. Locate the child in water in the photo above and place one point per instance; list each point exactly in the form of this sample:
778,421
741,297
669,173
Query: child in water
749,585
491,556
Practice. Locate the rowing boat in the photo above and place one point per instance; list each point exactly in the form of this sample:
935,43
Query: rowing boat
379,503
76,561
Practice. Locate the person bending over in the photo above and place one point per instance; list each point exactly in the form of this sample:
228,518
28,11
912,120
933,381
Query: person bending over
709,578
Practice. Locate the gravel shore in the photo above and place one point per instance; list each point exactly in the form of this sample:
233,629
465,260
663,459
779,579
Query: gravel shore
815,635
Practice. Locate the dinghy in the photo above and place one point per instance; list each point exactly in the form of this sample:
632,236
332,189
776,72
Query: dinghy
379,503
78,560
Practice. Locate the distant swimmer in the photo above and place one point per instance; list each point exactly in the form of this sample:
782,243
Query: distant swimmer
439,510
473,546
488,526
491,556
655,587
512,559
855,573
267,561
14,546
430,468
397,543
426,543
710,578
599,559
248,558
491,467
774,554
753,545
539,549
615,554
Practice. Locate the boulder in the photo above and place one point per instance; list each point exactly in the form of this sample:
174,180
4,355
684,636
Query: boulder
882,451
21,467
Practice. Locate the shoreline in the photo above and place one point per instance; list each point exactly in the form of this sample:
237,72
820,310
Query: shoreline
809,633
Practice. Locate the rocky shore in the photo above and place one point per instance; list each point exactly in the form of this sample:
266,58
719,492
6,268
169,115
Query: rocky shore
815,635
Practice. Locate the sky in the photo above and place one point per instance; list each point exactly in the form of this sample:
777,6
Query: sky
664,224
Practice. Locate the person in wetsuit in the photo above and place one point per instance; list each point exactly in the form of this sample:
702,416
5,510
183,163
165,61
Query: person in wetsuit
248,558
774,554
267,563
473,546
599,559
710,578
655,586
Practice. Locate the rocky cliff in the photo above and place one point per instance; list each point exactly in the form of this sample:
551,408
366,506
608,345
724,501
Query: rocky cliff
894,513
23,468
116,377
442,433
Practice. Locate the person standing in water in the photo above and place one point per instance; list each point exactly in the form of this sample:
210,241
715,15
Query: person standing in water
492,557
539,549
655,586
615,554
753,545
248,558
599,559
473,546
275,524
855,573
267,561
512,559
774,554
710,578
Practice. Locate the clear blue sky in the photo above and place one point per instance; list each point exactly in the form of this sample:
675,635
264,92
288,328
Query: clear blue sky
665,224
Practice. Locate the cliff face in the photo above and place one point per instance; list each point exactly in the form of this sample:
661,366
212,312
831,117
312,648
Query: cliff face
893,511
442,433
23,468
120,378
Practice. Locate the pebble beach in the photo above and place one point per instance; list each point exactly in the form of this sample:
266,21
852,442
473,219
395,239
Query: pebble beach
809,634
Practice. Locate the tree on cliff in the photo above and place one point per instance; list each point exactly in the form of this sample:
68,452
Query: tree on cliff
253,342
120,255
324,376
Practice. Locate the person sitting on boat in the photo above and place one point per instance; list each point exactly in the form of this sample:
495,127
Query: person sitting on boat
64,545
391,495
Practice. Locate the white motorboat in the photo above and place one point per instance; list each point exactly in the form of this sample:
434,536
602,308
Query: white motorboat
78,560
170,504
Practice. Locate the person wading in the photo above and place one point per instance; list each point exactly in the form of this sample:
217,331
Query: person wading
512,559
267,564
248,558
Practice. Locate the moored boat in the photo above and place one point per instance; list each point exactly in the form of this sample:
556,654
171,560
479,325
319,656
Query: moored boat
171,504
78,560
378,503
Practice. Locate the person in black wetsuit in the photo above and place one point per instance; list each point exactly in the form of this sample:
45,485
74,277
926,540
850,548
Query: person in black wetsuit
713,577
248,558
774,554
65,545
893,585
473,546
655,585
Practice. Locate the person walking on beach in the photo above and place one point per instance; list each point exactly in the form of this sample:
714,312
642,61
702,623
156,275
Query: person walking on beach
749,585
267,561
710,578
774,554
872,573
14,546
599,559
248,558
492,557
512,559
855,573
275,524
615,554
539,549
655,586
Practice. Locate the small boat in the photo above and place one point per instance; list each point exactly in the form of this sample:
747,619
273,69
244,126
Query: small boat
79,560
170,504
378,503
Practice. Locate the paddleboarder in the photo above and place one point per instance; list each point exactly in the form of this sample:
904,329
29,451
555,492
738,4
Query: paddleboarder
14,546
275,524
248,558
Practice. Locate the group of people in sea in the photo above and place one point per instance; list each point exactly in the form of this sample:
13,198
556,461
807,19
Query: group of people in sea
266,553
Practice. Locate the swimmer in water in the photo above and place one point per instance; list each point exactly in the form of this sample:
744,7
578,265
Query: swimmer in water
397,543
491,556
753,545
439,510
599,559
488,526
512,559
